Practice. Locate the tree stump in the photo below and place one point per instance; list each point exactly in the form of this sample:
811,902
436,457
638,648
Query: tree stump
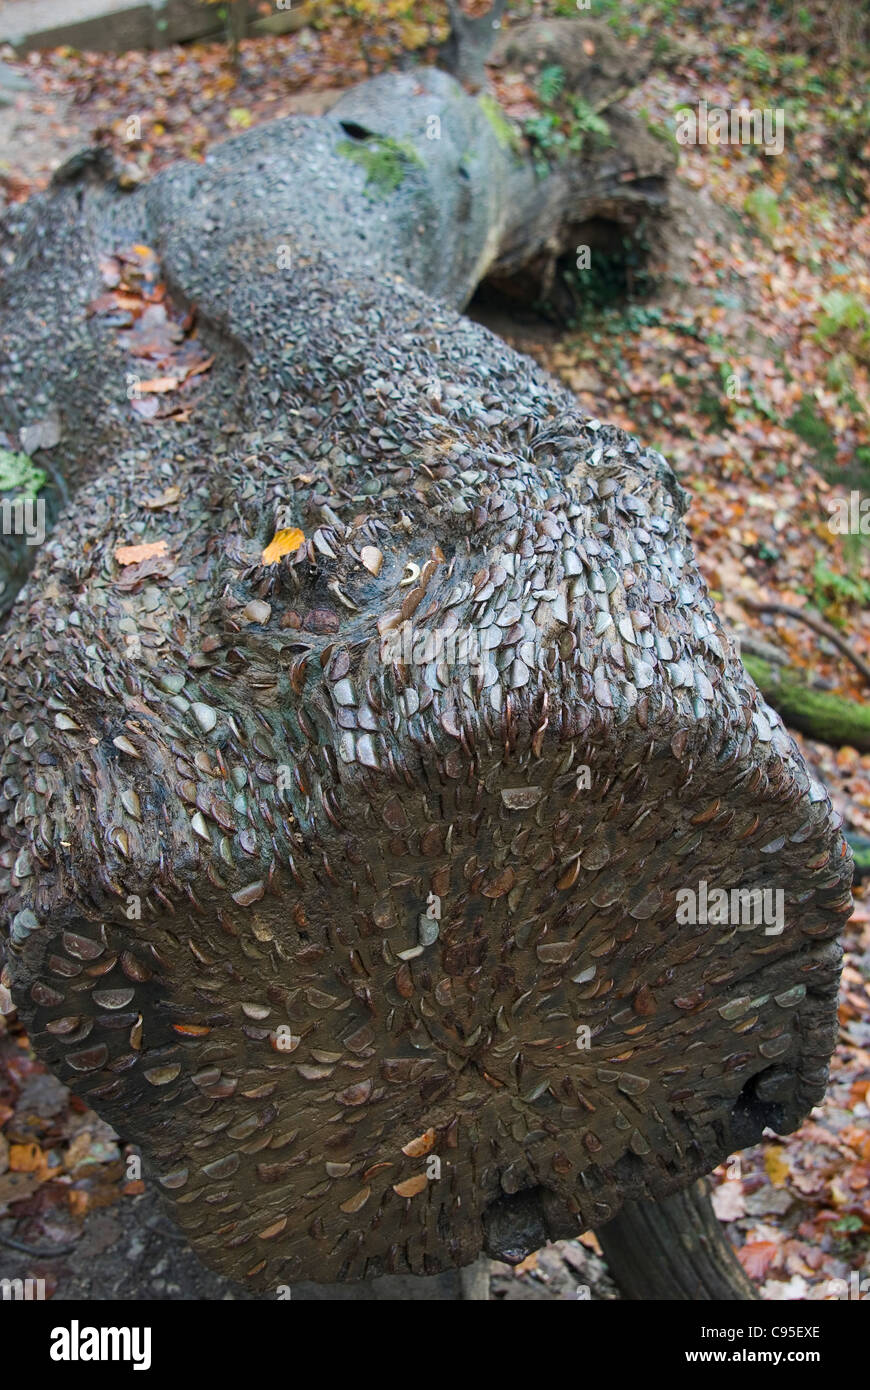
347,883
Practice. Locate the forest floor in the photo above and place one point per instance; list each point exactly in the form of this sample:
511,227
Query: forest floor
753,380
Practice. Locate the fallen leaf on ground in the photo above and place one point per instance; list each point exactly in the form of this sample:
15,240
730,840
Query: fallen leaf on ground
163,499
158,384
728,1203
757,1257
16,1186
132,554
776,1165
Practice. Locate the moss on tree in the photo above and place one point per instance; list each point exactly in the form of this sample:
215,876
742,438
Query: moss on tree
385,160
823,716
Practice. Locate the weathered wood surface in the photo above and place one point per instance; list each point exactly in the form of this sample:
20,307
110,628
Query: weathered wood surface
231,744
674,1251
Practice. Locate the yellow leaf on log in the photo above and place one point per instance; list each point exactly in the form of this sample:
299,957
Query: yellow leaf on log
282,543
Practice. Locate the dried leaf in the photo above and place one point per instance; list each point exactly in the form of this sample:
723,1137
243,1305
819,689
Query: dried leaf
14,1187
284,542
411,1186
418,1147
776,1165
132,554
728,1203
372,558
158,384
163,499
757,1257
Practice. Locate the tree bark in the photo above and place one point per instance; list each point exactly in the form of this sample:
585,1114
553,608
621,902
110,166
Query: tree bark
674,1250
366,933
237,24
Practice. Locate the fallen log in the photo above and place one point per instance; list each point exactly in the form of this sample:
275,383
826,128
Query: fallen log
816,713
343,877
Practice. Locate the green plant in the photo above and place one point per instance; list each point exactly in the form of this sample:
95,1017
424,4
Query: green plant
832,593
547,139
844,312
761,205
506,133
551,80
847,1225
19,473
565,124
794,62
758,63
585,121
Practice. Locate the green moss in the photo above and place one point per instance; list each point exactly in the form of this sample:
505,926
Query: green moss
506,133
667,137
828,718
19,473
385,160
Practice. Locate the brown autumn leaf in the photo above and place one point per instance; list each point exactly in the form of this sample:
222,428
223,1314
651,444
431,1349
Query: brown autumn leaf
200,367
157,566
411,1186
132,554
757,1257
78,1200
158,384
420,1146
30,1158
590,1240
14,1187
78,1149
528,1264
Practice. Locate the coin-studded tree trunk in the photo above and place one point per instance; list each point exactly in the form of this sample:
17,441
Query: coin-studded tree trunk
351,885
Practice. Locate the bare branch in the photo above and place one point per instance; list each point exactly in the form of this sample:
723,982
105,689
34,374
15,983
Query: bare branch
818,625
